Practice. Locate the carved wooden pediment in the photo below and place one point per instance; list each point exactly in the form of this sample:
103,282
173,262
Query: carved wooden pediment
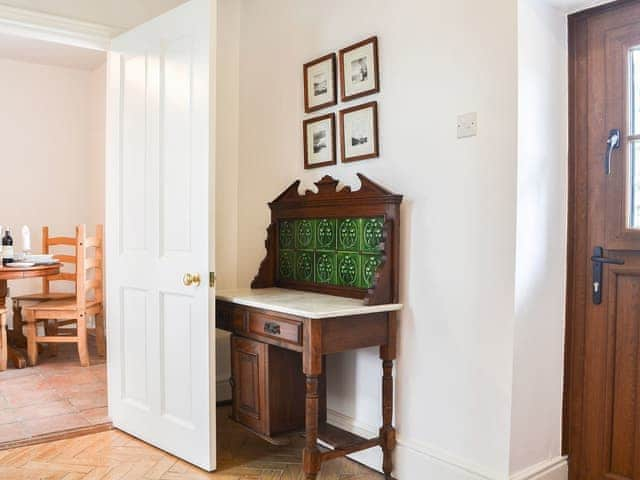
329,190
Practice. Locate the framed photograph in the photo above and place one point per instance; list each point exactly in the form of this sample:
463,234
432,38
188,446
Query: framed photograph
359,132
320,83
359,74
319,136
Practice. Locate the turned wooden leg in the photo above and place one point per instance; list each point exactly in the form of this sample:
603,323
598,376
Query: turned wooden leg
387,432
312,367
311,454
17,336
4,289
51,329
83,350
100,340
32,345
3,341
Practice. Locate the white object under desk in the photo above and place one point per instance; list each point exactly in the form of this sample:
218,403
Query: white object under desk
302,304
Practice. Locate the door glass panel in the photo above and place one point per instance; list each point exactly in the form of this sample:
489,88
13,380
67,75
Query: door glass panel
634,184
633,168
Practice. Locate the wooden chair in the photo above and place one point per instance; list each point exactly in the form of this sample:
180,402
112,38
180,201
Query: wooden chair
87,302
49,245
4,350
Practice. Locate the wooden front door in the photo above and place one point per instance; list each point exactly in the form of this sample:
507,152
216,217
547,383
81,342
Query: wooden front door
602,396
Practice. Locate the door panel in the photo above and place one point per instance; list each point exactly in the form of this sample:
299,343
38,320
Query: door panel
161,357
176,325
177,65
134,324
602,396
133,165
623,407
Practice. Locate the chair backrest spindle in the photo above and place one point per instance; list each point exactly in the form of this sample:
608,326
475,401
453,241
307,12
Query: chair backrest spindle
86,283
47,244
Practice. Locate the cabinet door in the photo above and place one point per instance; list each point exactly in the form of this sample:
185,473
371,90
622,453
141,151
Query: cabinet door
249,387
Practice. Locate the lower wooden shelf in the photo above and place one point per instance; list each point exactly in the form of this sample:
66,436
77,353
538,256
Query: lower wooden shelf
342,442
280,440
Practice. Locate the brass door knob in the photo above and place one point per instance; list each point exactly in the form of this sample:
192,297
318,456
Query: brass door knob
191,279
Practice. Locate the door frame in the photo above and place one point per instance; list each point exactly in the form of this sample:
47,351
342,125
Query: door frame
578,270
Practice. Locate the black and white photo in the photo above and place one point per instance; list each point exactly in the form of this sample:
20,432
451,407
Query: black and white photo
359,74
359,132
320,83
359,70
319,141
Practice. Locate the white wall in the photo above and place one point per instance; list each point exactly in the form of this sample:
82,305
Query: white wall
438,59
226,189
52,150
536,418
97,104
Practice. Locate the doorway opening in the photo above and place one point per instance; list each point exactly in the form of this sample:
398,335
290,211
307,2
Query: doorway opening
53,123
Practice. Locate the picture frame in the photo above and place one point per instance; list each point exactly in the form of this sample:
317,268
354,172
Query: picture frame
319,139
359,132
359,71
320,89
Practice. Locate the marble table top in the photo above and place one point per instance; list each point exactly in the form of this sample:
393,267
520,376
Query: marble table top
302,304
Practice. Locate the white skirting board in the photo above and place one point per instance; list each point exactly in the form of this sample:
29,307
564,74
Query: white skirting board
415,462
554,469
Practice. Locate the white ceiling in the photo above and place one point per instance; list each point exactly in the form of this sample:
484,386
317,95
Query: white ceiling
123,14
48,53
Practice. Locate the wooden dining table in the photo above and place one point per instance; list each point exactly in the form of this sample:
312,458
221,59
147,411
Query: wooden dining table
16,357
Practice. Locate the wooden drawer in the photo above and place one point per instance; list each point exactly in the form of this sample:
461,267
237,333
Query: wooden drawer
274,327
230,317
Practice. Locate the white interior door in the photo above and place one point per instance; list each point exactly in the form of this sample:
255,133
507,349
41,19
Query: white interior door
161,343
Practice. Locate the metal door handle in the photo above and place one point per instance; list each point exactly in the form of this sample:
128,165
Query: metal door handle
613,142
598,259
272,328
607,260
191,279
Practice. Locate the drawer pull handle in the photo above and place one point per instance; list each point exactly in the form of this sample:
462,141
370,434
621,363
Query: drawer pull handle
272,328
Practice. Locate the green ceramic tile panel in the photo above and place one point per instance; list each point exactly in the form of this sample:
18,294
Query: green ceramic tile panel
326,268
349,234
371,234
369,265
305,234
349,269
344,251
326,234
304,266
287,234
286,266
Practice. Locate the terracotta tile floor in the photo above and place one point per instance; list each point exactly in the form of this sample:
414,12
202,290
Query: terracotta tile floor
57,394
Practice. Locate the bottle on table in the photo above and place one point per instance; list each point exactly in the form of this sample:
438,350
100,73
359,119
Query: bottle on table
7,247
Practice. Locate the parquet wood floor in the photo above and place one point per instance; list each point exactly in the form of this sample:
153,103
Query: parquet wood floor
116,455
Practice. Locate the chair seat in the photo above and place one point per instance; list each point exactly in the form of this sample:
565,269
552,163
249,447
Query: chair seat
43,297
59,305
